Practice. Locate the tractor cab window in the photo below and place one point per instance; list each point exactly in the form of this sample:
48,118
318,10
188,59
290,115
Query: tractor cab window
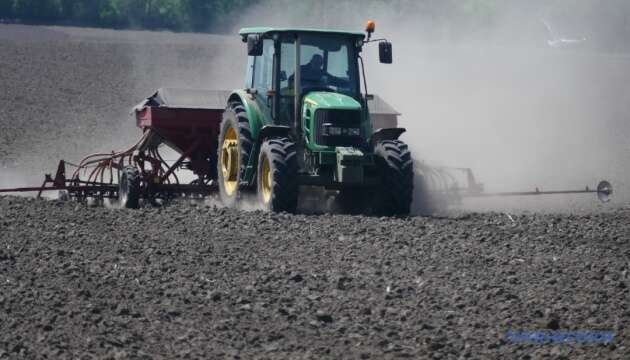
263,68
287,95
260,74
327,64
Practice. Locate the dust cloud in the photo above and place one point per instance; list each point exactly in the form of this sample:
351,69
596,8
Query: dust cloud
494,96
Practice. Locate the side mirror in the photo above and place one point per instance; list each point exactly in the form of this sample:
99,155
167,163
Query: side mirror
385,52
254,45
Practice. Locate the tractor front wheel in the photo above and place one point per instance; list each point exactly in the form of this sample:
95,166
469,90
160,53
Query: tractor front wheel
277,175
395,166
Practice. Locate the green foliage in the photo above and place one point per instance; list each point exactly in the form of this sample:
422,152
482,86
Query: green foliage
6,9
109,14
199,13
154,14
178,15
37,10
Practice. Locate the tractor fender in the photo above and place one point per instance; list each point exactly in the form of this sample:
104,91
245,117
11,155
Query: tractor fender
385,134
269,131
257,122
255,114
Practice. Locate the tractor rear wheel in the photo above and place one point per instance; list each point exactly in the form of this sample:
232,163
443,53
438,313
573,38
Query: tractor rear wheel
277,175
395,166
234,148
129,188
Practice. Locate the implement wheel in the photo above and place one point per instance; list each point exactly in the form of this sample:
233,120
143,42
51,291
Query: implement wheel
277,175
395,166
129,188
235,145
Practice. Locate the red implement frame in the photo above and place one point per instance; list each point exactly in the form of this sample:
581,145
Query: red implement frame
167,118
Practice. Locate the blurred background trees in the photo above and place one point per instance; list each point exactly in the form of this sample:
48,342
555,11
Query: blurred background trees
606,23
177,15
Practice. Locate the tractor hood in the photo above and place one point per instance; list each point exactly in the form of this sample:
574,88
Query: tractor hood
331,100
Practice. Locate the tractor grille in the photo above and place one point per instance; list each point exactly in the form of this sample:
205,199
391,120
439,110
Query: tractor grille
339,119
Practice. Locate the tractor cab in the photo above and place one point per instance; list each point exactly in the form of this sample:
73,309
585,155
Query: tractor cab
284,65
294,72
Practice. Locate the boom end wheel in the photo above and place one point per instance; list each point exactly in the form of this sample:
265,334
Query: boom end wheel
604,191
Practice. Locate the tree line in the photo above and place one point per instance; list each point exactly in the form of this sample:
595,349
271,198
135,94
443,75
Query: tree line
208,15
177,15
606,24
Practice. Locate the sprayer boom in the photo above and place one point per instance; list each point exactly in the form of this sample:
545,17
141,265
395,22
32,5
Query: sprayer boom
454,184
604,191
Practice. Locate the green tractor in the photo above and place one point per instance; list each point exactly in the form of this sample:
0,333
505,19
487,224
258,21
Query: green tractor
302,120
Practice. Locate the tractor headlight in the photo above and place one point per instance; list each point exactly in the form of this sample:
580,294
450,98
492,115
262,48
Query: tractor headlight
354,132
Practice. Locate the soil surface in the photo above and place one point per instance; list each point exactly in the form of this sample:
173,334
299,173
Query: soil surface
193,280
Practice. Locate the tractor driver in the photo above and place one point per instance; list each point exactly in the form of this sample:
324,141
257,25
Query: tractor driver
313,71
312,74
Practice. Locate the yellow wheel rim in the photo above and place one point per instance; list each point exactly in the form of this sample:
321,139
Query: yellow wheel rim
230,161
266,180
